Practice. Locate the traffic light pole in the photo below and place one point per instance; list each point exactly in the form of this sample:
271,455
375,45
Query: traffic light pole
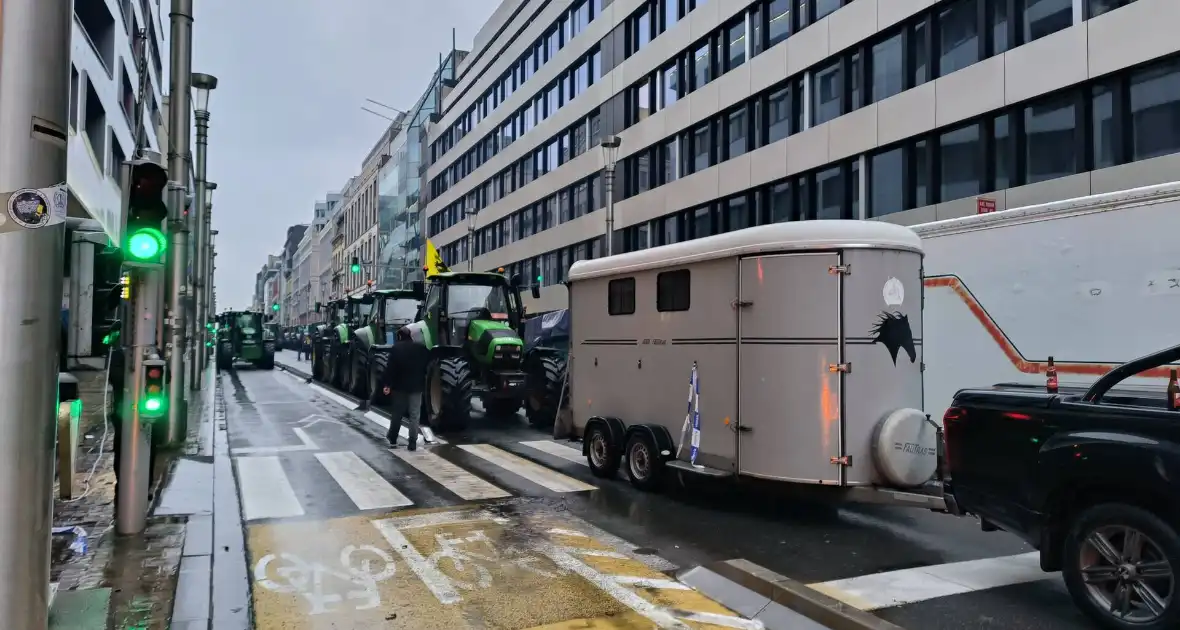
139,335
179,119
34,100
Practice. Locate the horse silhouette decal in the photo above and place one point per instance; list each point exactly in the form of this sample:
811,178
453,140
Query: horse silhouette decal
892,330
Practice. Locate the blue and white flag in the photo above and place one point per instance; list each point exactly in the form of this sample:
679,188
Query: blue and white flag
692,417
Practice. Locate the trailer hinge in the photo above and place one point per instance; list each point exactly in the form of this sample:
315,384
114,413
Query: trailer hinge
844,269
736,304
922,366
842,461
840,367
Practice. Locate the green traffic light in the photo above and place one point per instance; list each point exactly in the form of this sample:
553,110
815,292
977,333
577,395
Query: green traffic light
145,244
153,404
540,279
275,307
356,268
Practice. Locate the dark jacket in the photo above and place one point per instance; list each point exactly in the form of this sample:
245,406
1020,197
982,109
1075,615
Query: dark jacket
407,367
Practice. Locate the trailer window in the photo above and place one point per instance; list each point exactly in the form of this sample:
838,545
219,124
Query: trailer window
620,296
672,290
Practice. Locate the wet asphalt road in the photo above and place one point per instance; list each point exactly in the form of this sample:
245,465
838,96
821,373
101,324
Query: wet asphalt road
303,490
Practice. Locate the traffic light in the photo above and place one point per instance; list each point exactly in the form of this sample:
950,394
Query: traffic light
111,288
275,307
144,240
356,264
153,400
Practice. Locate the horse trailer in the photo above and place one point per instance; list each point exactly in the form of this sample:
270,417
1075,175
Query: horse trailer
789,352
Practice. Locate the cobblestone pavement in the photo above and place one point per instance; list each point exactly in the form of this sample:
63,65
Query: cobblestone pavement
130,579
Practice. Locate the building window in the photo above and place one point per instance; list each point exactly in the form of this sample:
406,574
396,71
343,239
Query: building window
887,182
735,129
1098,7
702,222
700,67
1155,111
672,290
702,148
1049,128
780,202
888,68
735,43
920,52
779,13
620,298
920,162
961,161
827,93
1103,130
1045,17
779,115
830,194
737,214
958,36
824,7
1004,147
671,83
998,20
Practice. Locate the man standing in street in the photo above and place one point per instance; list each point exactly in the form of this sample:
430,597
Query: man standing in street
407,364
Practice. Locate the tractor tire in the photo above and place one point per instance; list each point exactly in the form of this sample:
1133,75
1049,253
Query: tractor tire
225,361
267,362
448,392
358,373
317,370
339,358
378,368
501,407
545,378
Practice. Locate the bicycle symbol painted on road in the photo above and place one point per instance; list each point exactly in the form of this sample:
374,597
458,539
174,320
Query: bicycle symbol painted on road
361,568
470,569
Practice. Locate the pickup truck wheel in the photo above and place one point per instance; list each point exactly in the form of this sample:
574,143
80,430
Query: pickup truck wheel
1120,566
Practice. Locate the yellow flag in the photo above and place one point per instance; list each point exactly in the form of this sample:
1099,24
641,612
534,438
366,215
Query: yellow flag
434,263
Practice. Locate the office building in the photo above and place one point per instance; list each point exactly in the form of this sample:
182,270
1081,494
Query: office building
733,113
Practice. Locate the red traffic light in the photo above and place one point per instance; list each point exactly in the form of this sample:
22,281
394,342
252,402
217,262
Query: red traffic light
154,373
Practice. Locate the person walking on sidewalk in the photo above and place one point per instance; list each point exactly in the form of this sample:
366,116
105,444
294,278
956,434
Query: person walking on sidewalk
407,362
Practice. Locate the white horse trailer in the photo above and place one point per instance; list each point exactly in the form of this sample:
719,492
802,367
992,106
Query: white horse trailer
789,352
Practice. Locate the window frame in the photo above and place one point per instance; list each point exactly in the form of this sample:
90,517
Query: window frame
679,304
618,291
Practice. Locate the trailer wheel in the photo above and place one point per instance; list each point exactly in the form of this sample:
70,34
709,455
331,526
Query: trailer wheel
602,454
644,466
1120,565
544,379
448,393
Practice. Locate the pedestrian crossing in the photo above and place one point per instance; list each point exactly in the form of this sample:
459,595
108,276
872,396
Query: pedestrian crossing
281,485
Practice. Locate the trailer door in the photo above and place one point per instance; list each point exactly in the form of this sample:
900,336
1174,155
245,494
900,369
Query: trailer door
788,346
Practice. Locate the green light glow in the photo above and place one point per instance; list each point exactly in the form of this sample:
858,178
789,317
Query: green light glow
153,404
145,244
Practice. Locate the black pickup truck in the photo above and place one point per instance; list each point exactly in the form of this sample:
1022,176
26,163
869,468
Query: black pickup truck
1089,477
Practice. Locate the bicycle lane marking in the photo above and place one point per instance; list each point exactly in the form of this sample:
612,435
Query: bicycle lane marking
467,568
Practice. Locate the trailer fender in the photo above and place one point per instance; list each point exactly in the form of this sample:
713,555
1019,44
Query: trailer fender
614,427
659,435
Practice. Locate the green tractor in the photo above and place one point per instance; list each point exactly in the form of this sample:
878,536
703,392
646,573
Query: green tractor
331,351
385,311
321,337
472,324
243,336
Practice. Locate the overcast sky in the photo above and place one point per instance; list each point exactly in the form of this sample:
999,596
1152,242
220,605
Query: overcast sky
286,125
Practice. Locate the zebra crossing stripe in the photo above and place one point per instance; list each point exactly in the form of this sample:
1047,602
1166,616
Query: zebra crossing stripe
568,453
464,484
367,489
535,473
266,491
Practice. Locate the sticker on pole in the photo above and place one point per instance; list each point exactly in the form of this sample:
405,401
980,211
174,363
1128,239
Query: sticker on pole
34,208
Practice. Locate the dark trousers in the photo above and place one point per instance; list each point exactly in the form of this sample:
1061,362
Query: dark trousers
404,405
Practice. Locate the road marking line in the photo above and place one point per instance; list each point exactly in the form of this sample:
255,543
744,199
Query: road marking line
464,484
657,614
266,491
535,473
308,445
336,398
435,580
367,489
380,420
907,586
403,432
647,582
447,516
567,453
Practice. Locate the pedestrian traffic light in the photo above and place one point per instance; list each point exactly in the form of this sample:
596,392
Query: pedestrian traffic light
275,307
153,400
144,241
356,264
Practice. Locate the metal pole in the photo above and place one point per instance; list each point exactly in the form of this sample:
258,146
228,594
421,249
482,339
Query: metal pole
34,102
178,170
139,334
610,209
200,220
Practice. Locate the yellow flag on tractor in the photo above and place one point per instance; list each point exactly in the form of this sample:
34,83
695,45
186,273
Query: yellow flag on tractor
434,263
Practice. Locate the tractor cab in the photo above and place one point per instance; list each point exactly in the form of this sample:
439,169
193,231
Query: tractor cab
392,310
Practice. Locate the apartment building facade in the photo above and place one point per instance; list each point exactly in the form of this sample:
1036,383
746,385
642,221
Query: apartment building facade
105,77
735,113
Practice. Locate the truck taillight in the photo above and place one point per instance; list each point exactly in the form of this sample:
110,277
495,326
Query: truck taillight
952,416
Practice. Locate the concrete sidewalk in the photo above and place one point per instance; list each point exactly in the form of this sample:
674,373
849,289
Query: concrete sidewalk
103,581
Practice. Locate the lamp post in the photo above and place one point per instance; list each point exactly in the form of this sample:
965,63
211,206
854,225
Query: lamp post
610,154
212,253
202,85
207,309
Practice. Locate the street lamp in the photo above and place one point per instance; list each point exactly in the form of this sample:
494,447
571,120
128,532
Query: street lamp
207,306
202,85
610,154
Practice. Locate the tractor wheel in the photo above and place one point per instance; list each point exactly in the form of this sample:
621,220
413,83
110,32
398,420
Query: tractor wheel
544,381
225,361
501,407
339,358
267,362
317,370
378,366
448,391
358,372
